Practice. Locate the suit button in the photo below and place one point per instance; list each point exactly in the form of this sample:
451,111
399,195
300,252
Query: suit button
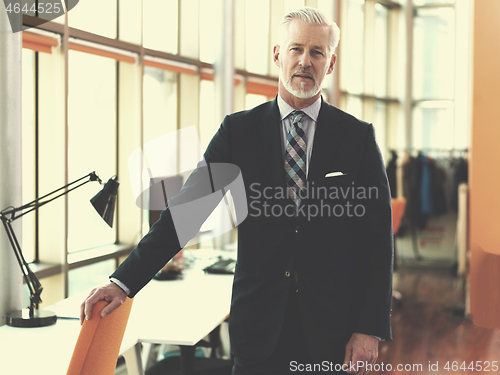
297,229
287,273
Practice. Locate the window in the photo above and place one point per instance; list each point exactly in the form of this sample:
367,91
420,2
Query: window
160,25
354,106
433,83
253,100
210,29
355,42
366,54
91,144
97,17
433,53
130,25
160,105
432,125
29,152
87,277
208,121
257,45
381,51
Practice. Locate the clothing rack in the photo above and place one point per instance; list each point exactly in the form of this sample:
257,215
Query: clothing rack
450,151
457,159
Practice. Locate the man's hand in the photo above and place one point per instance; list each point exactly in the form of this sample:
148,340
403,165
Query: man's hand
111,293
362,348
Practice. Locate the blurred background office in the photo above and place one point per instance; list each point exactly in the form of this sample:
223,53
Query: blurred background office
92,86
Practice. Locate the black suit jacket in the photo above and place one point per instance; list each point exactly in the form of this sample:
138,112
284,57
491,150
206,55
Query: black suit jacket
340,243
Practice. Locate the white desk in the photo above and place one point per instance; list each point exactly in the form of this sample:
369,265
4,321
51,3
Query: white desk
43,351
180,312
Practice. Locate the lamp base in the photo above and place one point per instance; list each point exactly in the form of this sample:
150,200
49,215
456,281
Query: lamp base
21,318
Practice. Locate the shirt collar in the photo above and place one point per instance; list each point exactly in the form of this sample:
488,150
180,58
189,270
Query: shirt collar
312,111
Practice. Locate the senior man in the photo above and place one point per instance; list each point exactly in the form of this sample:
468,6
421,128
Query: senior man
312,286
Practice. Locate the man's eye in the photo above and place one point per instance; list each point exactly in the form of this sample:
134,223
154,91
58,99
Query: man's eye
318,53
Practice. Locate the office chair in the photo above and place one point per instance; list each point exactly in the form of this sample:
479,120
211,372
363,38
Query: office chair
98,345
398,210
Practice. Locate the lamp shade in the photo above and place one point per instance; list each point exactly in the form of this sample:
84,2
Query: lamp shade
104,201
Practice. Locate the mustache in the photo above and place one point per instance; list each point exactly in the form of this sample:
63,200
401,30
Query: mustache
304,71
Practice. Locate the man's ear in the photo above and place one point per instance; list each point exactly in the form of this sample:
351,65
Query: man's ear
276,55
332,64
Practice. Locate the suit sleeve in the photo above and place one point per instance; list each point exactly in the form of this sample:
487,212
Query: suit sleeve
376,242
163,241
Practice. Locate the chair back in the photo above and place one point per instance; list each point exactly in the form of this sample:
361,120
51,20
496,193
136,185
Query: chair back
98,345
398,210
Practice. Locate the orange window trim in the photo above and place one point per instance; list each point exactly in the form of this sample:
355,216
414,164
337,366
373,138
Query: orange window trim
267,89
170,67
209,76
38,43
37,47
100,52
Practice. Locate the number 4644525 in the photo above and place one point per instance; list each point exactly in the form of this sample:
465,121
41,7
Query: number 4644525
41,8
479,366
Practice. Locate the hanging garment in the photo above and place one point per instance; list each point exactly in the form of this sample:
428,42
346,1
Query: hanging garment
391,173
461,174
438,193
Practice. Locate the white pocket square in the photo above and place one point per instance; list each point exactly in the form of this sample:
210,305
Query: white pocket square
334,174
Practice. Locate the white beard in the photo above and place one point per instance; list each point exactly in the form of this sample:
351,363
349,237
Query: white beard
300,93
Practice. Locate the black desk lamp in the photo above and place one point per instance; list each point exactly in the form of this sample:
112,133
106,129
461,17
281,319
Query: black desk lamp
103,202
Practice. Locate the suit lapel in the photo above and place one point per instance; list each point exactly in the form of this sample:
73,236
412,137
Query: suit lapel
268,136
329,131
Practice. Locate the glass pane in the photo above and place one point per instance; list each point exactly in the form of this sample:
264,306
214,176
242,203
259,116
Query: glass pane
354,106
324,94
291,5
426,2
380,125
257,36
208,124
130,21
160,104
381,51
355,46
28,152
160,25
210,30
91,144
160,118
432,125
253,100
84,278
95,16
160,115
327,7
433,54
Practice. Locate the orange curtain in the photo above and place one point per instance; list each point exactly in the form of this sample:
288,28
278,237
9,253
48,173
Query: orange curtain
269,90
39,43
100,52
171,67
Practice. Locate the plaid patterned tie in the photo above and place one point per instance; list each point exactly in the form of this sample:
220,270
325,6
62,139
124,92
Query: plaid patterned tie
296,158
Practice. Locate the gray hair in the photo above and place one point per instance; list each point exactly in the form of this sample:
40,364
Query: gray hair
312,16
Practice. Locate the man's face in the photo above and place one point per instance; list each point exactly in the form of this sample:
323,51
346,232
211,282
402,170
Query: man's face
304,59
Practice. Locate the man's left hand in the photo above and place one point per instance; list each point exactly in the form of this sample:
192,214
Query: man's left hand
363,348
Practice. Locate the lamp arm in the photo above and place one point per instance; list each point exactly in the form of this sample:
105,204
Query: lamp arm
37,203
8,215
34,285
